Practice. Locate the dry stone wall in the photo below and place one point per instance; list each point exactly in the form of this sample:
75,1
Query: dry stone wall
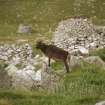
21,70
73,33
15,54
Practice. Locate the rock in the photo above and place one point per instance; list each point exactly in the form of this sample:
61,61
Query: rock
83,51
23,79
21,40
100,103
25,69
11,69
24,29
100,29
73,33
95,60
5,80
50,79
37,56
74,60
29,67
38,75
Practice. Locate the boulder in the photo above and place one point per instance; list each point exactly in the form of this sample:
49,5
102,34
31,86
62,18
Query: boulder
50,79
38,76
95,60
5,80
23,79
83,51
100,103
74,60
11,69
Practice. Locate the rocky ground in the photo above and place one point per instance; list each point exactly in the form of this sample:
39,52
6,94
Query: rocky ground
28,70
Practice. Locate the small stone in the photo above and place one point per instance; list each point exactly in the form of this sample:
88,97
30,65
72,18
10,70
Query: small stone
24,29
38,76
83,51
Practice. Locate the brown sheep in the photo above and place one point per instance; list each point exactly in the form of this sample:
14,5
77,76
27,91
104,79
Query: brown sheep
51,51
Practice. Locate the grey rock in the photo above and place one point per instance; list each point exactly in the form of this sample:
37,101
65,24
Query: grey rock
5,80
74,60
100,103
95,60
50,79
11,69
24,29
23,79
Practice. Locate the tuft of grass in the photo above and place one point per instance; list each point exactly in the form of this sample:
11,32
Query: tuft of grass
57,65
100,53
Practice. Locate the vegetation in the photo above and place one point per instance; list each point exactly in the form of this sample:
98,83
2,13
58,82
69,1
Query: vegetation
100,53
85,85
44,15
57,65
2,65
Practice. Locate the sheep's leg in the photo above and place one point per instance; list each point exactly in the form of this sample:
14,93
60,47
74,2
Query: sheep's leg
66,66
49,62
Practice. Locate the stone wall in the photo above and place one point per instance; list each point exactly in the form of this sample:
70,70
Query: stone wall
73,33
15,53
24,69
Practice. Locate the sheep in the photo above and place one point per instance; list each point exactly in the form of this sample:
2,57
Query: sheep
53,52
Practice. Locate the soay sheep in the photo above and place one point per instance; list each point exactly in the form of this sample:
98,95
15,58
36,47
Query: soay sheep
53,52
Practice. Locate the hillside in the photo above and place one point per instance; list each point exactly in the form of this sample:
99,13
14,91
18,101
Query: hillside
85,85
44,15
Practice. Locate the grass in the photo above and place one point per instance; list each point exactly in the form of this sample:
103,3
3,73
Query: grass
57,65
44,15
85,85
99,52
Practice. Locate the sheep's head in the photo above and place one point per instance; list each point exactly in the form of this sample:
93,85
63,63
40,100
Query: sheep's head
39,44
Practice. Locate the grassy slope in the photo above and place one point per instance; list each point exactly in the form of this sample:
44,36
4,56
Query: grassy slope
44,15
85,85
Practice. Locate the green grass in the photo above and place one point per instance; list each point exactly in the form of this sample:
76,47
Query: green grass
99,52
85,85
57,65
44,15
